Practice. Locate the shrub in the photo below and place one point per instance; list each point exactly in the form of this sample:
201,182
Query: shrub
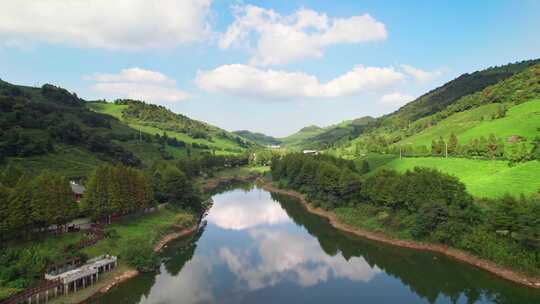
139,253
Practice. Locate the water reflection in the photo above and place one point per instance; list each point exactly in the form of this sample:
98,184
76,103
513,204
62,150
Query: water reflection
239,211
262,248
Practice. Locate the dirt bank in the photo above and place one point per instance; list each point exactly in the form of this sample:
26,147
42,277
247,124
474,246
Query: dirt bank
173,236
460,255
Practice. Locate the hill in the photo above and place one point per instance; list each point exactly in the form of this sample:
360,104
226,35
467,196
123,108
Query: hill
155,119
506,109
492,136
49,128
313,137
259,138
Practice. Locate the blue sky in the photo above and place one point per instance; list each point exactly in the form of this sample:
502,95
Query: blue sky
267,66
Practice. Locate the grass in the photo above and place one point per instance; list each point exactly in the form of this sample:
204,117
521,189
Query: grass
483,178
149,227
522,120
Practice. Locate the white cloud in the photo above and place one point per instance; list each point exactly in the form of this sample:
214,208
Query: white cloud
419,75
137,83
132,25
281,39
247,81
395,99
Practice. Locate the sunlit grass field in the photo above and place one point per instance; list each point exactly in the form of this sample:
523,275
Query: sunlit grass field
483,178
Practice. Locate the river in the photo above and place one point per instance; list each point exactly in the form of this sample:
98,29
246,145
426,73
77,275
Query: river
260,247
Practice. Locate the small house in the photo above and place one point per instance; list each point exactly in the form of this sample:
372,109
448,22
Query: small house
78,190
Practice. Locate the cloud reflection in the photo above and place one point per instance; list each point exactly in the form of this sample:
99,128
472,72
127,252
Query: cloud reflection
238,211
280,255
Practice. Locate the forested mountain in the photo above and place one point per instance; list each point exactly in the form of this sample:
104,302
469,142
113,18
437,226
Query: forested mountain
258,138
53,129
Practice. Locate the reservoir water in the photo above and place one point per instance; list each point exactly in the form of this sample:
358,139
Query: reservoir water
259,247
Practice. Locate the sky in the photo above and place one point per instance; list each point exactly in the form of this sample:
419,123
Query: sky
266,66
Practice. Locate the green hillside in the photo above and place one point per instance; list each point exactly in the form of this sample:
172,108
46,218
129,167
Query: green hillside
154,119
483,178
295,140
492,135
49,128
259,138
313,137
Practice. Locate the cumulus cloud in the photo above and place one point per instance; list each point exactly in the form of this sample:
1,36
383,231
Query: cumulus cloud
277,39
132,25
419,75
395,99
247,81
137,83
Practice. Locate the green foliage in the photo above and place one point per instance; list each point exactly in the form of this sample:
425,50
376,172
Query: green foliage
421,204
36,120
35,204
117,190
139,254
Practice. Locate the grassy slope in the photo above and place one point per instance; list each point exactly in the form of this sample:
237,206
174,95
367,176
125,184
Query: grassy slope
116,111
522,120
482,178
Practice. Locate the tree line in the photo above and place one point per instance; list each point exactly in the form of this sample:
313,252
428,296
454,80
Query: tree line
30,204
422,204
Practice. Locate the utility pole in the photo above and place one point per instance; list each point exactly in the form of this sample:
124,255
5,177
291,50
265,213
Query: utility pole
446,149
399,152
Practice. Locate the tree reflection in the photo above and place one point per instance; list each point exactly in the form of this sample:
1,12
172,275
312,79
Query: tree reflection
427,274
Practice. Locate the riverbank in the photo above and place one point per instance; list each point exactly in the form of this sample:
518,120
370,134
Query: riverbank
460,255
128,273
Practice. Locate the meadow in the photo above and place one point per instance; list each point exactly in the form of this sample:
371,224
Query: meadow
483,178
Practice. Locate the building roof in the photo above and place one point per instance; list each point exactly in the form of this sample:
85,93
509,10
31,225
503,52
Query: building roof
76,188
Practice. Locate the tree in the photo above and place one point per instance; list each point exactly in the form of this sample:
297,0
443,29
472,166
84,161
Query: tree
52,200
492,146
4,213
11,175
179,191
20,209
453,144
365,167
